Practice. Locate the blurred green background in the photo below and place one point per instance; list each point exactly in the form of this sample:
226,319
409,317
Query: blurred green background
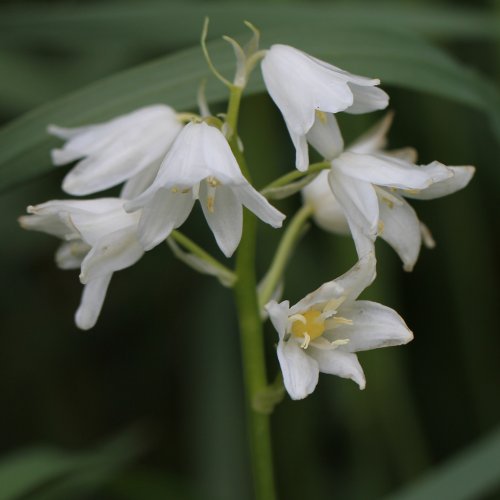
149,404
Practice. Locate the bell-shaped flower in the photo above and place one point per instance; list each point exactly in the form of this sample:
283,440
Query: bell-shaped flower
99,238
115,151
324,330
306,90
200,165
364,192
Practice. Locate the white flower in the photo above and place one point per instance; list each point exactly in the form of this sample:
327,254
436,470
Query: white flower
99,237
117,150
305,89
364,191
324,330
200,165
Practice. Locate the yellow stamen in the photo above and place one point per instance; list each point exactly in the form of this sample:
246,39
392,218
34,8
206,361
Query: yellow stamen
211,204
321,116
310,326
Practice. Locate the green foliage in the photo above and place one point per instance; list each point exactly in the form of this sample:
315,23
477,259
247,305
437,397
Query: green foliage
46,473
175,362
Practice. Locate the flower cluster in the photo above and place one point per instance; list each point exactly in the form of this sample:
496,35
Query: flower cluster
165,161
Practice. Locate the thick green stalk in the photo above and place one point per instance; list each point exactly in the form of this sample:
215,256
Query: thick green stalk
254,368
251,331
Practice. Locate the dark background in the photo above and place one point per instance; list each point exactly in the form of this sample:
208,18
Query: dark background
158,380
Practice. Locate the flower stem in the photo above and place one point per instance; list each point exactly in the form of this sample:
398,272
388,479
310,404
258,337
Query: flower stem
251,331
293,176
222,271
288,241
233,109
254,368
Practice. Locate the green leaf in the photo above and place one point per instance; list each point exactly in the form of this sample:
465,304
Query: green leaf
398,59
157,22
51,473
472,474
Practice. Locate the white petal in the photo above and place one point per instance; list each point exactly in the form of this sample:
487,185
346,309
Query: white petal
374,326
278,314
375,139
346,287
225,217
366,99
115,151
460,178
165,212
93,227
300,371
340,363
385,170
71,254
325,136
116,251
358,200
300,84
328,214
301,150
55,217
137,184
200,151
91,303
401,229
257,204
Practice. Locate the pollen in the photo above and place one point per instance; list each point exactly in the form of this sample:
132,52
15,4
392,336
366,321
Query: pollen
310,323
211,204
321,116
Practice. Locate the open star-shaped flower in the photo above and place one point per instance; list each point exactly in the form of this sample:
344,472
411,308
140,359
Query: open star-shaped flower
324,330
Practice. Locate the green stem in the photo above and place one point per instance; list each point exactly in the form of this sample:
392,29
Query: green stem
254,368
190,245
251,331
233,109
288,241
293,176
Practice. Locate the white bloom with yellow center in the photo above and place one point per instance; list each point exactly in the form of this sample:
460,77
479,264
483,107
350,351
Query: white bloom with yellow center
324,330
364,191
115,151
306,89
99,238
200,165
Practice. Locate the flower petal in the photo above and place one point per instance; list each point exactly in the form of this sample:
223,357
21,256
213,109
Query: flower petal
257,204
325,136
374,326
165,212
385,170
340,363
375,138
71,254
346,287
358,200
401,229
278,314
115,251
366,99
300,371
224,215
460,178
91,303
